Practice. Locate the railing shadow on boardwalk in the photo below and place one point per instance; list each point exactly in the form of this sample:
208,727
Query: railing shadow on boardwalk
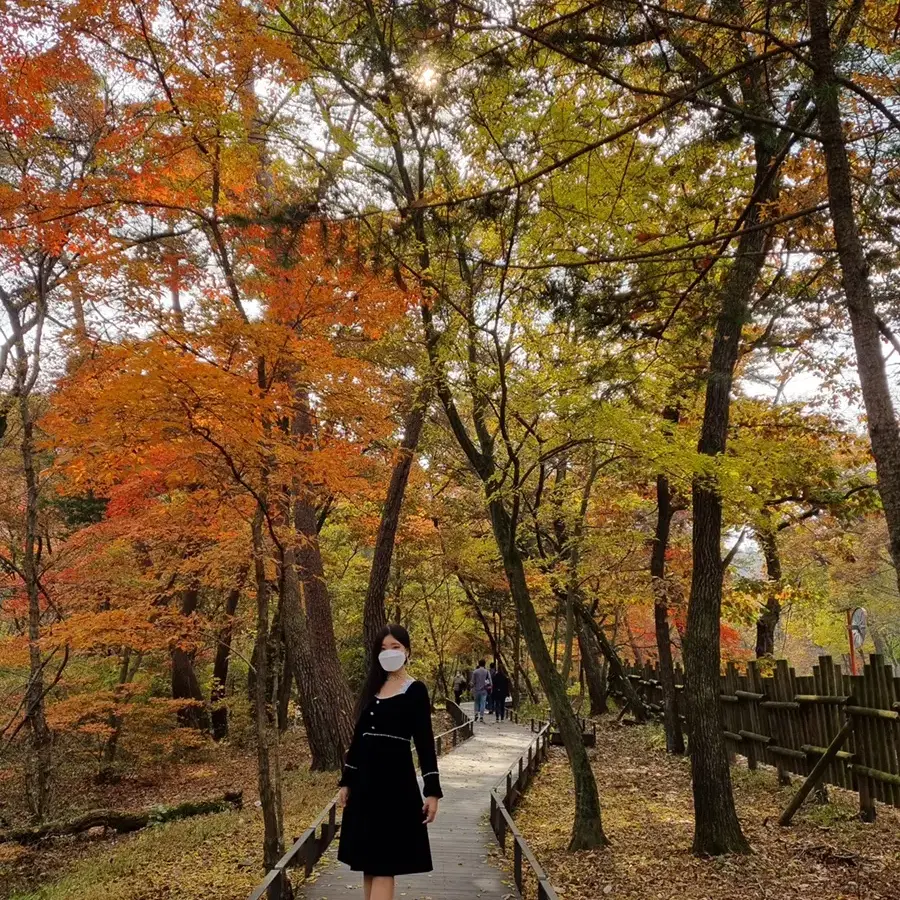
308,849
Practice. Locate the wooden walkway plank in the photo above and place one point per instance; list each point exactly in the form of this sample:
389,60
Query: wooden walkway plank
460,837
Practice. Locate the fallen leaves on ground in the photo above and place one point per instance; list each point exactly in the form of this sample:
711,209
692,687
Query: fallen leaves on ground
218,855
827,853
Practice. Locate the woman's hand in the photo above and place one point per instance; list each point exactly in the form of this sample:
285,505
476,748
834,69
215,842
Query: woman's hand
429,810
343,796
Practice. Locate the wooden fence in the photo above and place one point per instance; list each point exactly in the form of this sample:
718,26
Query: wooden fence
307,850
787,720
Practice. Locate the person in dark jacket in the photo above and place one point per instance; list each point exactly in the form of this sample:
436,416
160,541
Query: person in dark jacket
501,689
384,829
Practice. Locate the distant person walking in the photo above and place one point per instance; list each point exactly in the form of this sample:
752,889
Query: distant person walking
492,671
459,685
384,831
499,692
480,685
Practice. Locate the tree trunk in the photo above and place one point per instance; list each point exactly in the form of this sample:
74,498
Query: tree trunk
127,671
717,829
326,744
556,634
532,691
517,634
472,597
587,829
635,649
268,765
441,687
185,685
615,668
125,821
767,622
569,637
374,614
671,716
593,673
881,421
219,714
284,690
39,759
335,705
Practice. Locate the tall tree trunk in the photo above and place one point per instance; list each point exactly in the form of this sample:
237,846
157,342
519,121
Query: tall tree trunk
285,680
881,420
717,829
185,685
325,743
615,668
587,829
374,614
635,649
39,762
559,602
593,672
569,636
219,714
768,619
514,672
671,717
442,688
472,597
529,686
331,689
268,764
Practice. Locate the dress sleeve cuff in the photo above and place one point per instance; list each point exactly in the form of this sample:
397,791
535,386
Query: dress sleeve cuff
347,775
432,785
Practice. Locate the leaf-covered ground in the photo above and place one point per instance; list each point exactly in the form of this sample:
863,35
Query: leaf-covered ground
828,854
206,856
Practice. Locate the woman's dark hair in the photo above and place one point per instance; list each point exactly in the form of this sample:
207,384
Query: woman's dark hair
376,676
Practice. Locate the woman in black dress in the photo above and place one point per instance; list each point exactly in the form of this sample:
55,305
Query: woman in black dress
384,828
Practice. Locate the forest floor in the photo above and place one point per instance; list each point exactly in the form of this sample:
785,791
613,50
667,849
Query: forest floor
648,815
215,855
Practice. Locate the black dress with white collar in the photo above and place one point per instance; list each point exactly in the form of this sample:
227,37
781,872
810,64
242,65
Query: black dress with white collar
383,830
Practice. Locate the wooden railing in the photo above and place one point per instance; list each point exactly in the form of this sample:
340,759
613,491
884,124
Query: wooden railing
787,720
308,849
462,730
504,799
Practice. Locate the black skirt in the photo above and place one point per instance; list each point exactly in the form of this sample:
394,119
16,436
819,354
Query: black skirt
383,830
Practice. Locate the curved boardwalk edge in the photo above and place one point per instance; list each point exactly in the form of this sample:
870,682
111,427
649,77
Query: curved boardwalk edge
504,800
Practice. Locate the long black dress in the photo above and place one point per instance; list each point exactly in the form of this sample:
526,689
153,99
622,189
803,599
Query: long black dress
383,830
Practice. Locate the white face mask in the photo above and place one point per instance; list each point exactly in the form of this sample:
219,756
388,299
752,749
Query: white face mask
392,660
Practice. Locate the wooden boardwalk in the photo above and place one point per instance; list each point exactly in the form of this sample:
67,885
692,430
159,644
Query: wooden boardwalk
460,837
